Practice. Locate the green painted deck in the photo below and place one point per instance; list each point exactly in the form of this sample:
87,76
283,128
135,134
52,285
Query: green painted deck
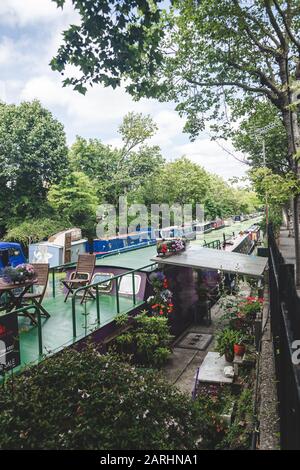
57,331
133,259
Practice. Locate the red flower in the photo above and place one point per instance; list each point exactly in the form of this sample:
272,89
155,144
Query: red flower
164,248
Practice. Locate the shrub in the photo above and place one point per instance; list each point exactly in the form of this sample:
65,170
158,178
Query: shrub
31,231
84,400
148,339
240,432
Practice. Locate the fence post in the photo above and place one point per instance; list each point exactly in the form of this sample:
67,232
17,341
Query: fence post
133,288
53,282
117,295
74,315
40,333
98,304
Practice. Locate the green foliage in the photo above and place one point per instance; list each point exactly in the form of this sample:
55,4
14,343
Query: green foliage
33,155
119,171
135,130
267,183
263,122
215,401
240,432
34,230
148,339
274,190
84,400
74,200
225,341
112,39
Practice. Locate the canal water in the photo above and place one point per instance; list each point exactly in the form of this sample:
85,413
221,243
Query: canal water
235,227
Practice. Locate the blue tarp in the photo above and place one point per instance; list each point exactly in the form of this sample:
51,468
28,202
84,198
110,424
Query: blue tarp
15,254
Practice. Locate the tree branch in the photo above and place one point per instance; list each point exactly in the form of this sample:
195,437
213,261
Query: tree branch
287,27
241,85
274,23
261,47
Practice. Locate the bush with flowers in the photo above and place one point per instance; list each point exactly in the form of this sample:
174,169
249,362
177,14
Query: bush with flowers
215,401
22,272
161,301
241,312
170,246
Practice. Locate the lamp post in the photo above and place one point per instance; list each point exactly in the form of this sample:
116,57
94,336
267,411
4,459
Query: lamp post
260,133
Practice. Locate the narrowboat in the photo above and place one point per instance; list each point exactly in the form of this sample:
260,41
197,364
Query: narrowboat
122,283
204,227
218,224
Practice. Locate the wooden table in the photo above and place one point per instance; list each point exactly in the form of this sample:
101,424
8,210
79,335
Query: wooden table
14,300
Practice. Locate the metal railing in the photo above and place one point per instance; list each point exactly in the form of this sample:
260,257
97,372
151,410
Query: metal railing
216,244
95,286
118,251
285,325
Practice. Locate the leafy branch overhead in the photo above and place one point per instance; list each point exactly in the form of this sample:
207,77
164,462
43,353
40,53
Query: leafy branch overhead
194,53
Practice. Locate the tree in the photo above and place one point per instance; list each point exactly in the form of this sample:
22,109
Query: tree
263,122
206,54
181,181
33,155
74,200
119,170
266,184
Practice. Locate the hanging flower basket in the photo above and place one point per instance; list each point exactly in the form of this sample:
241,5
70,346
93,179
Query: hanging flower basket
170,247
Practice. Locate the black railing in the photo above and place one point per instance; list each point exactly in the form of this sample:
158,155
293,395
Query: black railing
216,244
285,324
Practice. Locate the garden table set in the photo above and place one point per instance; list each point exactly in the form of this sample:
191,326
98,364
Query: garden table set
15,293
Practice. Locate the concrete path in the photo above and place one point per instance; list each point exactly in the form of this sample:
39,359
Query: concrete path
287,246
181,368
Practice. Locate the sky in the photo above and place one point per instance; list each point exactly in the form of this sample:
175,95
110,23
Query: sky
30,34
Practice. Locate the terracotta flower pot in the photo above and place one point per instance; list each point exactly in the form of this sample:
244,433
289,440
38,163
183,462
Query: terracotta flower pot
239,349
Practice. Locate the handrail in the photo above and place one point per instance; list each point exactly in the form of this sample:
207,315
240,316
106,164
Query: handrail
96,284
54,269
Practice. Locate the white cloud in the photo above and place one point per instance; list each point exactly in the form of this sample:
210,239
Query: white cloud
170,126
99,106
26,75
213,158
7,51
28,12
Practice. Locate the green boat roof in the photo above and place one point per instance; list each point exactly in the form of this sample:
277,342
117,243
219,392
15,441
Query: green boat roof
133,259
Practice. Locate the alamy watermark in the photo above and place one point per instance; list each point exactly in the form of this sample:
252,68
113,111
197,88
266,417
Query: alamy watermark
128,219
296,352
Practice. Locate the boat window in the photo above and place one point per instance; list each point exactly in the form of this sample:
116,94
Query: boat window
126,284
106,286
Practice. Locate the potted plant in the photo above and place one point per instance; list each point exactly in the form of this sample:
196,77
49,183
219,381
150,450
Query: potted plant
239,347
225,342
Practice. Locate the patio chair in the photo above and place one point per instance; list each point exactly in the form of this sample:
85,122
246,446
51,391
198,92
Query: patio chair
82,276
37,295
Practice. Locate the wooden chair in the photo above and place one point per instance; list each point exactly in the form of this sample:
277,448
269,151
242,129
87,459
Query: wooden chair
36,297
82,276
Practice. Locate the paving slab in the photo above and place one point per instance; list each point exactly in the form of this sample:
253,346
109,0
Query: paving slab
212,369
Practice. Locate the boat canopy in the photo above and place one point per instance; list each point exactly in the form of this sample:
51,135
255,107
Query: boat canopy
211,259
11,253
